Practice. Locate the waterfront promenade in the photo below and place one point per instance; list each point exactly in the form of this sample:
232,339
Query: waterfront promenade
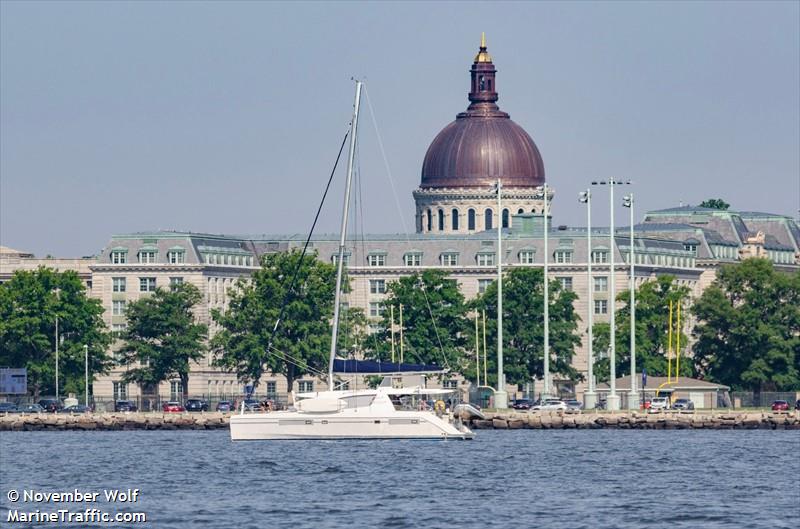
503,420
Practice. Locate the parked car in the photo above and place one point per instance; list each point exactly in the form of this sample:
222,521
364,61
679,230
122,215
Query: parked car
172,407
31,408
8,407
659,403
76,408
573,404
683,404
196,405
550,404
780,405
125,405
522,404
51,405
225,405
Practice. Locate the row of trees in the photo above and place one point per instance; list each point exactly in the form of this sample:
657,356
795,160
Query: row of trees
747,330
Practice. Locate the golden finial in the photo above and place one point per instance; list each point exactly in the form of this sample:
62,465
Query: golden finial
483,55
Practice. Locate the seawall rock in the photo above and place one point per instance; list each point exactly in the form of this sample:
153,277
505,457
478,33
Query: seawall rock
113,421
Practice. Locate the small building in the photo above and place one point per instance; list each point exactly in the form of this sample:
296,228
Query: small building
702,393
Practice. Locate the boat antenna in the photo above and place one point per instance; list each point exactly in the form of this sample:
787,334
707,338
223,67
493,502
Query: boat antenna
343,232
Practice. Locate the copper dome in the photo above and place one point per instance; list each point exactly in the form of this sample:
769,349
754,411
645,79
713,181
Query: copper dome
483,143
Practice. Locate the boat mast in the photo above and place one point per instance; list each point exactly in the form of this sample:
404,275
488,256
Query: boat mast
345,211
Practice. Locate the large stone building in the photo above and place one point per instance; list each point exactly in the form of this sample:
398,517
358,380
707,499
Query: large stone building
456,230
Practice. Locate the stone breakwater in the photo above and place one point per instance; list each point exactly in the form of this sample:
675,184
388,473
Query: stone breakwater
638,420
113,421
497,421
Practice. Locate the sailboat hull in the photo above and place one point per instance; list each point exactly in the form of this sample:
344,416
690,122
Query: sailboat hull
344,425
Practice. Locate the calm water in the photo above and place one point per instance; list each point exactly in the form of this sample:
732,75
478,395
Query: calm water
521,479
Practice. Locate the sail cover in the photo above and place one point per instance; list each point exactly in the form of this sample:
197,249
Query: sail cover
376,367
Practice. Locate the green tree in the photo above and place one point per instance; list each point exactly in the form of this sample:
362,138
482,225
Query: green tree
354,338
162,337
652,324
715,203
748,330
301,343
523,327
29,304
434,322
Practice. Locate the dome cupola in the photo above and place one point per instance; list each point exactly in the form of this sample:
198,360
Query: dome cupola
483,143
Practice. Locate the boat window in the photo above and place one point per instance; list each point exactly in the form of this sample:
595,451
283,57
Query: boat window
358,401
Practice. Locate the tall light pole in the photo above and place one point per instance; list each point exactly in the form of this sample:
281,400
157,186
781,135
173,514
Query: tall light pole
542,191
500,396
86,375
589,396
56,356
613,398
633,395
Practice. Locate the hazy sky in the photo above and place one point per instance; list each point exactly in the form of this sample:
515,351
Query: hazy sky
226,117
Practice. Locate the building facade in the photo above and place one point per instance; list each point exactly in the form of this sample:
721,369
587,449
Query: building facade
456,222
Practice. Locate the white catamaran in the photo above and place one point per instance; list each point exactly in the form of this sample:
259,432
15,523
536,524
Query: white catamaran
386,412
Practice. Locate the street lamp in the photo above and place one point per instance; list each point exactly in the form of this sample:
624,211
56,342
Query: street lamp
613,398
633,396
86,375
541,191
58,298
500,396
589,396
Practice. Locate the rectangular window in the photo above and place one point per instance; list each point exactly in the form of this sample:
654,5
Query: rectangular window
120,391
566,283
449,259
376,309
272,388
119,257
175,257
377,286
412,259
147,284
526,257
305,386
345,259
147,256
601,306
175,390
450,384
377,259
600,284
690,248
118,307
600,256
117,329
563,256
485,259
483,284
173,281
118,284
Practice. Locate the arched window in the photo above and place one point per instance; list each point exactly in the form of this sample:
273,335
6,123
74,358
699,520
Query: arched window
440,219
520,211
454,222
471,220
489,81
481,83
430,221
506,218
533,210
487,219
